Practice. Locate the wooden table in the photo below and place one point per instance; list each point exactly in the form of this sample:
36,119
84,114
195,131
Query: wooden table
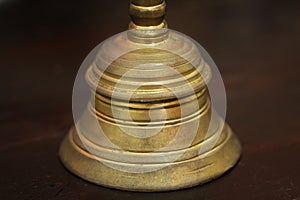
255,43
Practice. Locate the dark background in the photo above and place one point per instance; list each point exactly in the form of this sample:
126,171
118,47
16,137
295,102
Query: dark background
255,44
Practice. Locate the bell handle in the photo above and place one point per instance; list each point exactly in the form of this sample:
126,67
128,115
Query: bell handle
147,13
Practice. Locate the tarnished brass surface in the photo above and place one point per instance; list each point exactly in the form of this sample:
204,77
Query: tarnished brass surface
177,175
87,154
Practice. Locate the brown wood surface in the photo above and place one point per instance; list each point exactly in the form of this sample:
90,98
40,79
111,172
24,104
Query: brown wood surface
255,43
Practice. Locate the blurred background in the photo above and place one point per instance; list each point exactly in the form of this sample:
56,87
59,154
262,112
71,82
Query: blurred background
255,44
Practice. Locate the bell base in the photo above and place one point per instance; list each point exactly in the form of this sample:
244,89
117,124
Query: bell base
175,176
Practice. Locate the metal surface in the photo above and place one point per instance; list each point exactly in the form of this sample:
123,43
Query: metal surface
147,14
189,168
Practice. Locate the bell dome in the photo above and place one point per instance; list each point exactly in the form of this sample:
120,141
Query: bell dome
150,123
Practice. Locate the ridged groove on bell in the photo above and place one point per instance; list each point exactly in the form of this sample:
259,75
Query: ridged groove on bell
116,73
152,157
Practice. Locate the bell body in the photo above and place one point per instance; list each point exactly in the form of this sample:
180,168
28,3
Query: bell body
150,124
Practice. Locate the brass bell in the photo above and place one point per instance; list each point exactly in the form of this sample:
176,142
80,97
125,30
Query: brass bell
151,122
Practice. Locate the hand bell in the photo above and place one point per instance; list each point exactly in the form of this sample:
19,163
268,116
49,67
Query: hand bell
153,122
